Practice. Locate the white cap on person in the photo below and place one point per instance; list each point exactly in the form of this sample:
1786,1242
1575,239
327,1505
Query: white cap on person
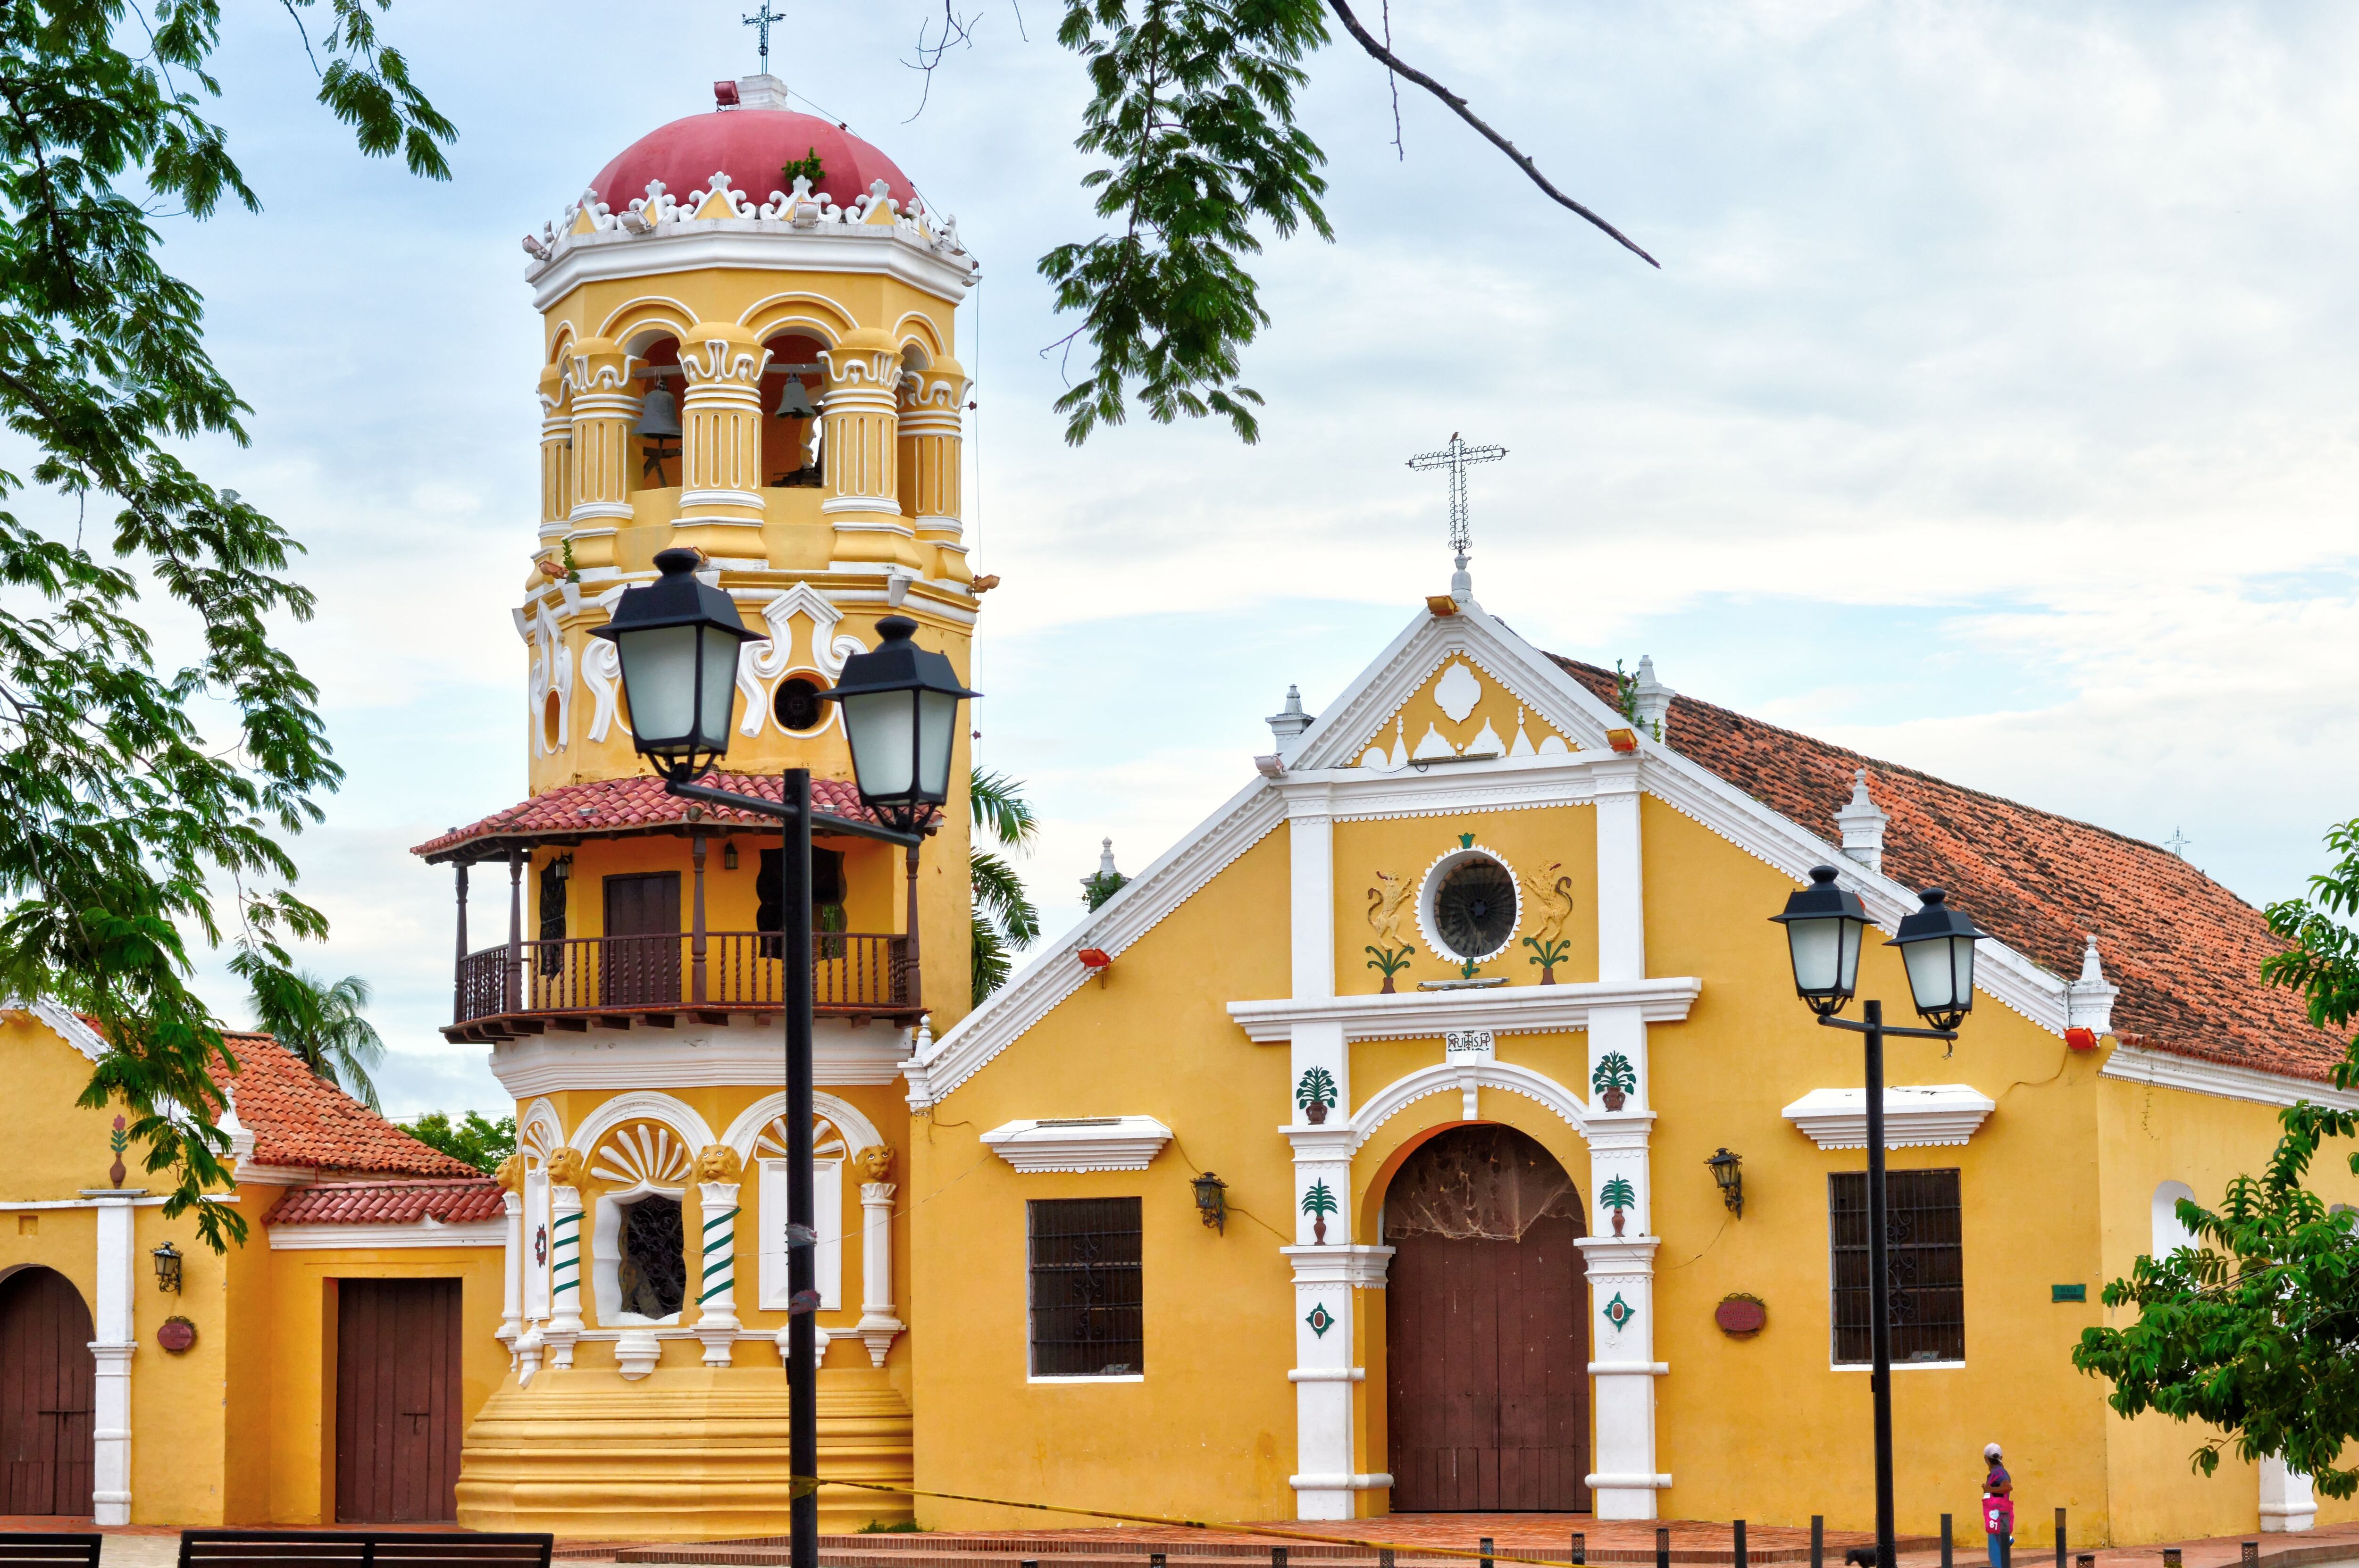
1990,1451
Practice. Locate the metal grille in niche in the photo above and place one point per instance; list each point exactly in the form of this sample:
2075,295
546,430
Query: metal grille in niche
1474,907
1924,1265
1086,1290
651,1274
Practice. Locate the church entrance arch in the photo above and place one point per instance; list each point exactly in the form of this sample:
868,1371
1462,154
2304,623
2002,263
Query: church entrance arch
45,1436
1485,1328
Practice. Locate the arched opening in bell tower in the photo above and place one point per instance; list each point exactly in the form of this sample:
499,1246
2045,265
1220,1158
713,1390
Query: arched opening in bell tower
791,425
657,460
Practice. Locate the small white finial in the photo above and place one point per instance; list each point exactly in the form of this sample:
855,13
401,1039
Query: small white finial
2089,1000
1105,861
1289,720
1863,823
1653,699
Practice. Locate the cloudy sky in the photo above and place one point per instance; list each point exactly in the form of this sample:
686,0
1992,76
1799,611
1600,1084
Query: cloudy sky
1992,412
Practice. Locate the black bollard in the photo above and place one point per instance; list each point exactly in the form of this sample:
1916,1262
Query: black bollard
1742,1558
2171,1557
2059,1538
2251,1555
1385,1557
1277,1558
1662,1546
1487,1548
1154,1560
1818,1540
1579,1549
1945,1543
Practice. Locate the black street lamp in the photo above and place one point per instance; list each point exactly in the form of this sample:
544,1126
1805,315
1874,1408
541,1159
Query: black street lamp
1824,925
677,641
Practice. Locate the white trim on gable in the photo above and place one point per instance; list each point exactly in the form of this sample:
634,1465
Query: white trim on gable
2166,1070
63,1025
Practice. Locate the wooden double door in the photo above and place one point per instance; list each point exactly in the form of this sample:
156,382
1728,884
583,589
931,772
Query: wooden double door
398,1401
1486,1328
47,1440
642,948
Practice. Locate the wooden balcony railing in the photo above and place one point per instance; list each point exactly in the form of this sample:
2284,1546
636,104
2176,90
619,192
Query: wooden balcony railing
851,972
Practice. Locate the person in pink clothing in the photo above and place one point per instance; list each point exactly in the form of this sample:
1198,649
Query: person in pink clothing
1998,1507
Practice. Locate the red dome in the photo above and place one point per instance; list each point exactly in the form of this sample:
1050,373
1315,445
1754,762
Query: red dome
750,146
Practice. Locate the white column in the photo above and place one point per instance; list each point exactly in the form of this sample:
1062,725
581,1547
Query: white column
716,1301
1310,842
536,1243
1326,1334
1622,1335
117,1341
2287,1503
564,1274
877,1325
512,1275
1621,893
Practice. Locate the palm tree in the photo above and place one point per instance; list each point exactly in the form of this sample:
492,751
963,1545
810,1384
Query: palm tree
1003,916
323,1024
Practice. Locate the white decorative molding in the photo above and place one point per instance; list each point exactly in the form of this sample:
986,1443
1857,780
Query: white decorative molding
67,1026
878,1327
641,1157
1465,1079
1915,1115
2089,1000
601,678
1862,822
1346,1268
733,1055
551,675
1510,1010
1429,895
1652,698
753,244
2165,1070
1079,1143
1243,821
418,1233
643,1106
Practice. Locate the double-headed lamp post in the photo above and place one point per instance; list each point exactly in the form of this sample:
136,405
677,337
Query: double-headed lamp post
678,640
1824,926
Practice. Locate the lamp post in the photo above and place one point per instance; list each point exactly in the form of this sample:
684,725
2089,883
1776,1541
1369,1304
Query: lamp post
677,639
1824,924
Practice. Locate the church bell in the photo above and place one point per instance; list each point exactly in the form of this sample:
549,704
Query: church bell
659,415
795,402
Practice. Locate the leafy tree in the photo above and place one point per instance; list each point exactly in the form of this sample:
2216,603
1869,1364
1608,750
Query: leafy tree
480,1143
323,1024
2254,1330
1003,916
125,824
1192,111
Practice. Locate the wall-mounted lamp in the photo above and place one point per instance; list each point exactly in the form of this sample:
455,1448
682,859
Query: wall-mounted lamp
561,868
167,1268
1211,1201
729,854
1727,1168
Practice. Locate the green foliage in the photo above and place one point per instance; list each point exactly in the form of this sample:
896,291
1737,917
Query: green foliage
1619,1194
1319,1201
1317,1088
323,1024
1387,961
1192,109
807,166
2254,1330
899,1526
1613,1072
480,1143
125,826
1549,954
1100,886
1002,917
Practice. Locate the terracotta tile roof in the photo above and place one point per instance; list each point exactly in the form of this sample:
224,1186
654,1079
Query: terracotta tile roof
389,1203
300,1119
2184,950
608,807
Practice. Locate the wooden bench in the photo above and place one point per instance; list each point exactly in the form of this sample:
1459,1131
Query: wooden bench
34,1550
349,1549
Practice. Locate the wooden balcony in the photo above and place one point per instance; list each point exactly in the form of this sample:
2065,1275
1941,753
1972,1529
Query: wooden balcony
529,987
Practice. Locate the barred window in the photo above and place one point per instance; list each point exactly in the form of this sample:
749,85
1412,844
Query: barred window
1925,1260
1086,1297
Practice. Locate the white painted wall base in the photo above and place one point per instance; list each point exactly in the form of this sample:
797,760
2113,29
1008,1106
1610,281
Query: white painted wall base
2287,1505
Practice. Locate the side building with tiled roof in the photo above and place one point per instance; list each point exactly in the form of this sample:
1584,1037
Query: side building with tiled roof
321,1371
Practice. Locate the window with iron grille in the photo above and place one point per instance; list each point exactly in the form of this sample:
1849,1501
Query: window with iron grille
1085,1295
1924,1259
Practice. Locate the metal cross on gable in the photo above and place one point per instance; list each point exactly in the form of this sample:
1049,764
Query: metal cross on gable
1458,456
762,20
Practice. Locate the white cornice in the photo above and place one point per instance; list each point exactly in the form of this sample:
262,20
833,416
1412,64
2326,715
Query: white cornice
1507,784
1342,1267
1080,1143
754,244
2138,1065
701,1056
1513,1009
1144,903
1915,1115
418,1233
65,1025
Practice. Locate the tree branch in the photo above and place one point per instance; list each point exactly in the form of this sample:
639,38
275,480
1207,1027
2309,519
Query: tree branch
1394,62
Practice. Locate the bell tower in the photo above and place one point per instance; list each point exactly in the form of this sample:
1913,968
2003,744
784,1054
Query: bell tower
749,350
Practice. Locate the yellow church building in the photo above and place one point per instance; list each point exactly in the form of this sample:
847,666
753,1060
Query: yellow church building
1431,1129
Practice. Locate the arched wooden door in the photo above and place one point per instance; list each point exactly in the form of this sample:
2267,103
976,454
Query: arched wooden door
45,1437
1486,1336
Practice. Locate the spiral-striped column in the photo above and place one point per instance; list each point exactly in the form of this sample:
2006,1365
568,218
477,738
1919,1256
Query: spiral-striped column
716,1288
564,1259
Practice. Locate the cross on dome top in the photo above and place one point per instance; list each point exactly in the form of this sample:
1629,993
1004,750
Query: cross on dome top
1458,456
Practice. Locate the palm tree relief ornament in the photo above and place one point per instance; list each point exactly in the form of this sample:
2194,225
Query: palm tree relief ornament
1613,1079
1315,1094
1619,1194
1319,1203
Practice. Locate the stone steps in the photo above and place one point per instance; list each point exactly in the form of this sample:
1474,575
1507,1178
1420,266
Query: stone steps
921,1549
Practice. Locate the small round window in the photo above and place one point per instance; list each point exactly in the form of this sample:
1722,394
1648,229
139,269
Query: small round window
799,706
1474,907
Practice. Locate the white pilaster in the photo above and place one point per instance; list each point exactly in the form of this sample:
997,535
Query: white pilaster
537,1241
117,1341
1621,893
2287,1503
877,1325
512,1275
1622,1335
564,1274
1310,842
716,1301
1326,1309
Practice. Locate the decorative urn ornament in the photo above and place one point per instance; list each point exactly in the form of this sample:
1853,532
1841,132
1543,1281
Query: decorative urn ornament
1613,1079
119,1141
1315,1094
1319,1203
1619,1194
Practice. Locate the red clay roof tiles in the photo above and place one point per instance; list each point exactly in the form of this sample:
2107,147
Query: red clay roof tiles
389,1203
299,1118
635,805
2184,950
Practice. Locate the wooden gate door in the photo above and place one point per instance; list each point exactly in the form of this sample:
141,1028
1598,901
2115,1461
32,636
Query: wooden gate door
1486,1335
46,1438
396,1402
642,947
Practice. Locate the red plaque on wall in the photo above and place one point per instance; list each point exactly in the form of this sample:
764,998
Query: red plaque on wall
1740,1317
176,1334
